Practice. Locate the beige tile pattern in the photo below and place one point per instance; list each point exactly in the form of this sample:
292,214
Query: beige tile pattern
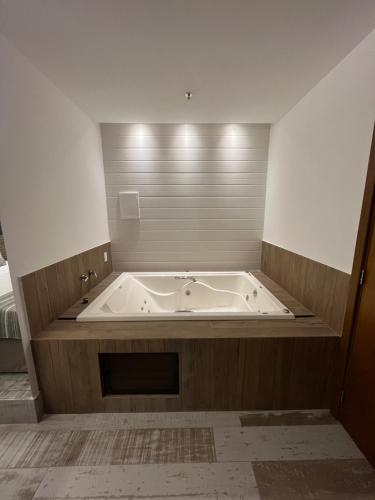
15,395
190,480
138,446
160,420
16,401
315,480
317,417
306,442
183,456
15,411
156,420
20,484
14,386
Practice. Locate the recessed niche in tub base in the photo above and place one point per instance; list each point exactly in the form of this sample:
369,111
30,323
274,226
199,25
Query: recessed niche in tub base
139,373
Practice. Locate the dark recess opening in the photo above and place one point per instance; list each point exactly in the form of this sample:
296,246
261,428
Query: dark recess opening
139,373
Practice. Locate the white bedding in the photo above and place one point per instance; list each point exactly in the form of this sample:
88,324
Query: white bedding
5,282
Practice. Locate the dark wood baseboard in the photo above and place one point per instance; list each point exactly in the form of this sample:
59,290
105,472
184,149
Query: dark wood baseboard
323,289
48,292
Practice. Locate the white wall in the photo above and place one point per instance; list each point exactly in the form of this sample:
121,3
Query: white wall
318,161
52,196
202,193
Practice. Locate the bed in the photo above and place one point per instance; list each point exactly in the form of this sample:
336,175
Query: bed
12,357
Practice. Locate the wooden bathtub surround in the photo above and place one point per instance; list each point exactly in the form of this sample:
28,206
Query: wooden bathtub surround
215,374
296,307
78,306
321,288
48,292
224,365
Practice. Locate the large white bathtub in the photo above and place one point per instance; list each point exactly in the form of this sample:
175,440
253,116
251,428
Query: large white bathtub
187,296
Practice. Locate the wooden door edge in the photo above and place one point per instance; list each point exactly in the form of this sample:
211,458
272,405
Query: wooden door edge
368,205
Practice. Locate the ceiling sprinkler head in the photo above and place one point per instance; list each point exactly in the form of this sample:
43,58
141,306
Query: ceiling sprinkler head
188,95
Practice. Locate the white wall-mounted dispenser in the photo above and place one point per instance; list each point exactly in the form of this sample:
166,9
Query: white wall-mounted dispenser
129,204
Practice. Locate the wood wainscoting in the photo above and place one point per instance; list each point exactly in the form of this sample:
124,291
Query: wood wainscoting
321,288
50,291
215,374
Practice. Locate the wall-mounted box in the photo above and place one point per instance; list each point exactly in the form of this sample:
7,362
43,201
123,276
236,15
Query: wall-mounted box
129,204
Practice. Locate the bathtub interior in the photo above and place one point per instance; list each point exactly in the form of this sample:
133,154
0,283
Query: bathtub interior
154,294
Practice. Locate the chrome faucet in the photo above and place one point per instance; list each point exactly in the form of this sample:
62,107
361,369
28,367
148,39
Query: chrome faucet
191,278
84,278
93,273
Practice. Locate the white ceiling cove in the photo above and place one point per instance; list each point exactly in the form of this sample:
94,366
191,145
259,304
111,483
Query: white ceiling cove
133,60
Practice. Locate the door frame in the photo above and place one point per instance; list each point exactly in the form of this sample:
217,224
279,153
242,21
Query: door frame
368,205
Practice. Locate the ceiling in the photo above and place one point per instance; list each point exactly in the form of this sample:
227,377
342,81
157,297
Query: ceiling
133,60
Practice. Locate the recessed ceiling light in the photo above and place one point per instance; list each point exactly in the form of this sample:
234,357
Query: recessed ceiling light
188,95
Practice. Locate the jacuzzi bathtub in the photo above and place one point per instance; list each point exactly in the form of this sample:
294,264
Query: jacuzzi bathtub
187,296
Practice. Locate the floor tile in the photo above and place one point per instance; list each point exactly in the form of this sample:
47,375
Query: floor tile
14,381
315,480
16,394
138,446
133,481
315,417
14,411
20,484
174,497
94,421
14,386
284,443
16,401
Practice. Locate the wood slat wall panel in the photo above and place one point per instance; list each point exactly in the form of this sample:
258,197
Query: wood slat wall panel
197,266
197,214
186,178
321,288
202,224
256,141
185,130
189,190
196,202
186,246
185,166
177,154
198,184
48,292
129,233
216,256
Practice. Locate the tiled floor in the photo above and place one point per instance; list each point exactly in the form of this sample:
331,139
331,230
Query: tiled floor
184,456
16,401
14,386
